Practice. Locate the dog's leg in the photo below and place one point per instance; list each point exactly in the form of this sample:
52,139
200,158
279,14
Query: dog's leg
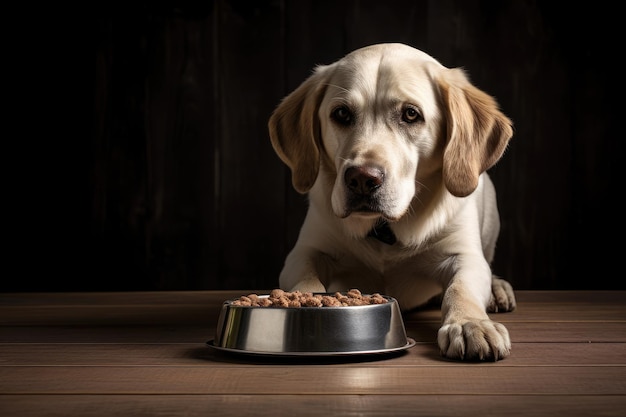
502,297
301,271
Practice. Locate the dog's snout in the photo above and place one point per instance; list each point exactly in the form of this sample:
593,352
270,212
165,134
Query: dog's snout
363,180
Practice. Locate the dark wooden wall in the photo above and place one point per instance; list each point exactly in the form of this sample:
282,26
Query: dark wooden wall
145,162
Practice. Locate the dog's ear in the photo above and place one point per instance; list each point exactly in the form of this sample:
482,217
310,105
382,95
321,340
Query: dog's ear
294,129
477,132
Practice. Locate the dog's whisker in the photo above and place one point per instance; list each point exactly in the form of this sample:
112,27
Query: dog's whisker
422,185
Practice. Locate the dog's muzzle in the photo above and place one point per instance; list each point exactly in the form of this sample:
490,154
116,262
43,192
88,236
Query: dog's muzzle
363,185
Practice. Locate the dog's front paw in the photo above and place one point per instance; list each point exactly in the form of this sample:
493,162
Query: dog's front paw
502,296
474,340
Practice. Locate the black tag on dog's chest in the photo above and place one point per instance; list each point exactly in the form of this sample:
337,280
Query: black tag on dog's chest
383,233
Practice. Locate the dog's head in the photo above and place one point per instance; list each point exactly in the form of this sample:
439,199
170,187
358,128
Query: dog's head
382,122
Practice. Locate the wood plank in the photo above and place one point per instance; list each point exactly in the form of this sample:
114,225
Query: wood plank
523,52
172,333
556,312
414,405
572,332
95,315
305,380
117,298
562,296
216,297
200,355
251,176
203,307
159,314
521,332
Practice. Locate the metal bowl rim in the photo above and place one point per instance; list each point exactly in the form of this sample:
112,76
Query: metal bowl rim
410,342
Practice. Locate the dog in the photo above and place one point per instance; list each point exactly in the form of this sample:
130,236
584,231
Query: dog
391,149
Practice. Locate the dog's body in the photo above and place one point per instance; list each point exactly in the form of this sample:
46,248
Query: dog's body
392,149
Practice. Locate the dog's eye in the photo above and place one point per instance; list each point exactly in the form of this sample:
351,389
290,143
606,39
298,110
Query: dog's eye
342,115
411,115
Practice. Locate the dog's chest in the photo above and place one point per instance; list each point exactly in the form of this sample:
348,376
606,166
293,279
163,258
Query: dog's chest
379,255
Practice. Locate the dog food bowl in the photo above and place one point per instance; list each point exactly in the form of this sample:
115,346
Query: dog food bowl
311,331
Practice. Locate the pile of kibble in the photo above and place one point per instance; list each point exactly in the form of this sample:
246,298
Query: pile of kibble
280,298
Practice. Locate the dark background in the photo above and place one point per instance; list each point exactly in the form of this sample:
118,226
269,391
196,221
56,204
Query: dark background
137,155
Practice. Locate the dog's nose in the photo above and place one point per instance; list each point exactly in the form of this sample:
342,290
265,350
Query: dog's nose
363,180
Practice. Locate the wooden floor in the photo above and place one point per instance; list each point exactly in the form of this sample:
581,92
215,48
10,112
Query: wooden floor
145,354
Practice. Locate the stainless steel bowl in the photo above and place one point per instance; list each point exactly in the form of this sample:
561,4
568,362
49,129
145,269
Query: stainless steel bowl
375,328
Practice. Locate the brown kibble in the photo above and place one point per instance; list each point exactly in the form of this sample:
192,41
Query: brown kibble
265,302
243,301
330,301
377,299
342,298
311,302
296,299
277,293
281,302
354,293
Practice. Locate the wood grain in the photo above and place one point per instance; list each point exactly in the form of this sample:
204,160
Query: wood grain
166,179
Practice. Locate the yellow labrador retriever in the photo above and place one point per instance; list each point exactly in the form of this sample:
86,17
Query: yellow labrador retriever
392,149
